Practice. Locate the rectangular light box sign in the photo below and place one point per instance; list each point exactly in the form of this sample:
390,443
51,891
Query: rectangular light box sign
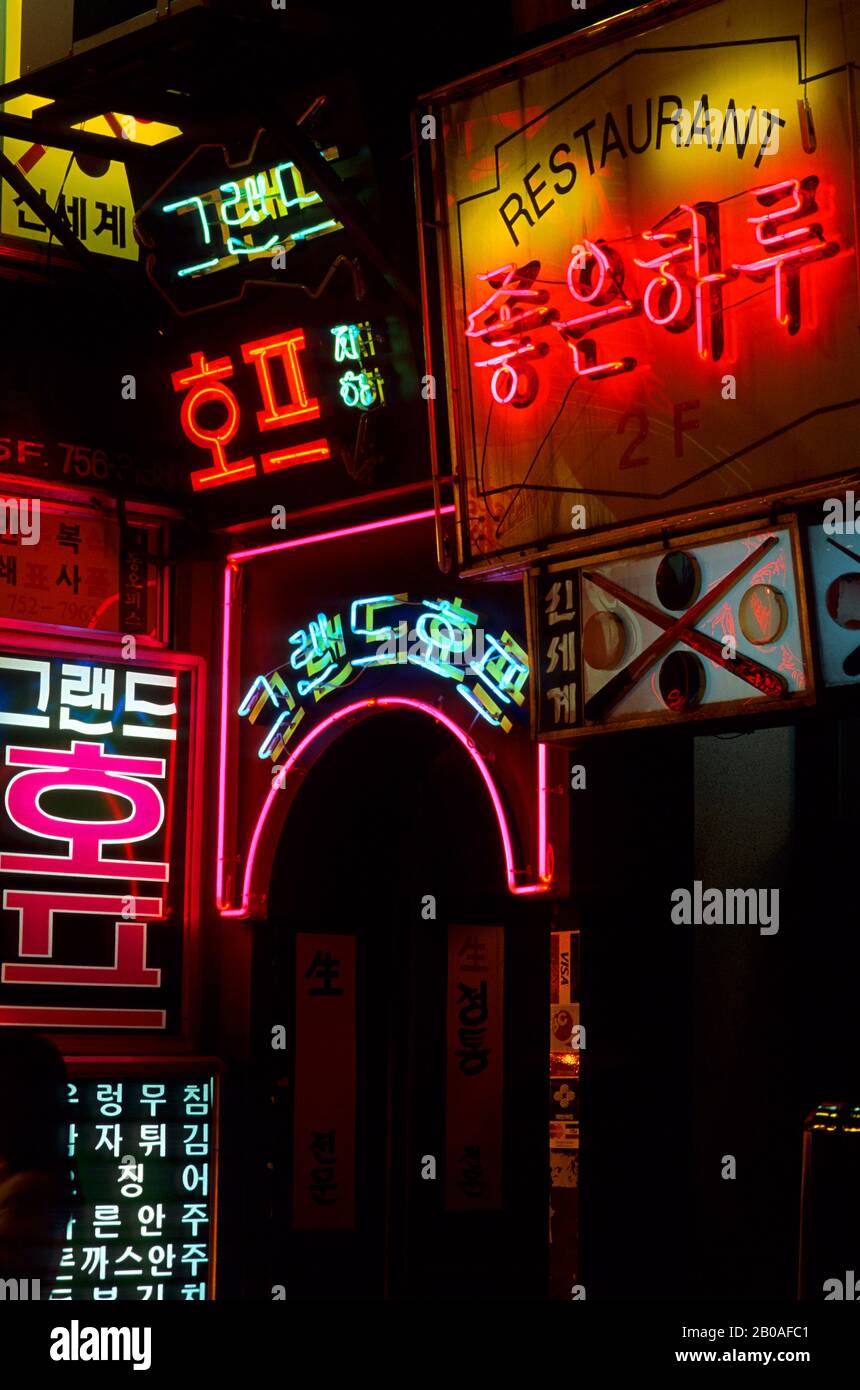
143,1152
99,765
650,271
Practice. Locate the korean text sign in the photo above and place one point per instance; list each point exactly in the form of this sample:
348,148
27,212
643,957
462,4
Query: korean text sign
651,274
142,1150
307,653
80,571
325,1096
473,1168
97,774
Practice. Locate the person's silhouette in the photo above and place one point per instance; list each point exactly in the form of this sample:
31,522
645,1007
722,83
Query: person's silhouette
35,1193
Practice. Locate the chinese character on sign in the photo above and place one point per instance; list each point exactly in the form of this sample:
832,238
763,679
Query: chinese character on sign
324,968
473,1014
323,1185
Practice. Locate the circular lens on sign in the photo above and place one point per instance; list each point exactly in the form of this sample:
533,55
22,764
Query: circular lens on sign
95,166
851,664
603,641
678,581
681,681
843,600
763,614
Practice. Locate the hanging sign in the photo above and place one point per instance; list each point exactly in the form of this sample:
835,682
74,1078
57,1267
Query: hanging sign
324,1107
650,273
712,625
216,223
473,1130
98,865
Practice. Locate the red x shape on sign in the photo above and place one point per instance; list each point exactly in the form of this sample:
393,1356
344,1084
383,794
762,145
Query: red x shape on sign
682,629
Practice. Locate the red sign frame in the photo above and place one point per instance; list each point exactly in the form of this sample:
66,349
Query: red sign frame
182,1037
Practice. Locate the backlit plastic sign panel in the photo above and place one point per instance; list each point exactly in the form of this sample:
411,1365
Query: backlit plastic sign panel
59,568
98,849
143,1151
92,194
650,272
324,1115
834,552
474,1068
713,625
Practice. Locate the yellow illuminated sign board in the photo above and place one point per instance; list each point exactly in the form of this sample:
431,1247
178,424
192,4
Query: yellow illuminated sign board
92,194
651,275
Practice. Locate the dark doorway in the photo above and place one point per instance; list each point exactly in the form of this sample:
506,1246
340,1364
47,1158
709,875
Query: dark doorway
392,815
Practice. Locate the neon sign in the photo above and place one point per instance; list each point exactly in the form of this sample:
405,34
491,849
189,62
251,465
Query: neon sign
355,342
645,321
278,362
251,217
92,757
442,637
684,290
380,654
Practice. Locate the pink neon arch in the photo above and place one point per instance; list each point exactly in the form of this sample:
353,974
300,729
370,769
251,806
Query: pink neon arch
404,702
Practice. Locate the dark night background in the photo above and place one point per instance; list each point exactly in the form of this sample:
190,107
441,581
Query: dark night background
702,1042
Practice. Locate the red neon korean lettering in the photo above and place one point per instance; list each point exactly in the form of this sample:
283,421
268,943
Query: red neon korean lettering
84,767
205,378
674,299
290,458
595,277
512,311
789,248
285,347
685,288
210,387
